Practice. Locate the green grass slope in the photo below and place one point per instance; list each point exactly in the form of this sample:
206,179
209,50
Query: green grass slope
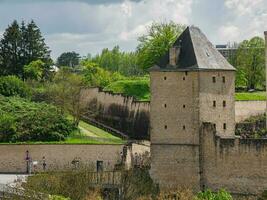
138,88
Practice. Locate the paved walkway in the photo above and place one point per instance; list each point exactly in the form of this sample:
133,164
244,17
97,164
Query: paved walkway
10,178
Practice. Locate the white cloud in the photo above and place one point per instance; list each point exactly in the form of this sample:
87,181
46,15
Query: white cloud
242,7
245,19
229,33
118,24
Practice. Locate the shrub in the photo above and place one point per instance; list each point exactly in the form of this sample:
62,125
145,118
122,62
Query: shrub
209,195
32,121
7,127
13,86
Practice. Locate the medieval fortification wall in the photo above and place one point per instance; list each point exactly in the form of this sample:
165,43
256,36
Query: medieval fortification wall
132,117
238,165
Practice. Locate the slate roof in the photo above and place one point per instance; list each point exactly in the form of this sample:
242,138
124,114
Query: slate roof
196,53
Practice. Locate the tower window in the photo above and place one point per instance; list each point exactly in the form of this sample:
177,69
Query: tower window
186,73
183,78
214,103
183,106
224,103
223,79
165,78
183,127
214,79
165,126
165,105
224,126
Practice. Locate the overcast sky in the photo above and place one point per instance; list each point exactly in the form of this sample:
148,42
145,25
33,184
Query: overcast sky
88,26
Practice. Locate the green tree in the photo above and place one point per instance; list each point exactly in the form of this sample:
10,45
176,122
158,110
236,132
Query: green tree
65,92
10,50
153,45
34,70
250,63
20,45
69,59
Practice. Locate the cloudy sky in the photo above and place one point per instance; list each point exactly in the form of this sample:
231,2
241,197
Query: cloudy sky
87,26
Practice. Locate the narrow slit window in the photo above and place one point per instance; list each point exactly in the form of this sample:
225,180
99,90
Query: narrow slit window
214,104
183,106
186,73
165,126
224,126
183,78
183,127
223,79
165,78
214,79
165,105
224,103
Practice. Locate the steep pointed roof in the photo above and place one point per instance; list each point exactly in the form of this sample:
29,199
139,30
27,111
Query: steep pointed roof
196,53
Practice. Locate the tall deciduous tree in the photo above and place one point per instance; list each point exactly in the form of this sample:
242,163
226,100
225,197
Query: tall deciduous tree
250,63
156,42
68,59
20,45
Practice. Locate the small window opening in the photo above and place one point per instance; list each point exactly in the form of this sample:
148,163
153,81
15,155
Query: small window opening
183,127
214,126
165,78
223,79
214,103
224,103
165,105
99,166
183,106
214,79
165,126
183,78
224,126
186,73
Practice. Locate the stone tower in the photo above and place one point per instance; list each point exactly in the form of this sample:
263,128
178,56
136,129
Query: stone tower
191,84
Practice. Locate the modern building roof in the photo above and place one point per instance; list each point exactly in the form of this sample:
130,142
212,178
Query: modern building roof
196,53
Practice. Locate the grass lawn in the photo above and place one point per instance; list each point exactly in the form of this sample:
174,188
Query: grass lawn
87,134
250,96
93,135
139,88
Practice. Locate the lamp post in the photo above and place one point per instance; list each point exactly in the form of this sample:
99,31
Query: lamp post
265,34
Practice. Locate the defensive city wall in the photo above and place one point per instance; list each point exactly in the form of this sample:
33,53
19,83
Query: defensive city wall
13,158
132,117
238,165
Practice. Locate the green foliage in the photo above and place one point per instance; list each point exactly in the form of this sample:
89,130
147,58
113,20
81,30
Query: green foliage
34,70
32,121
72,184
65,92
250,63
55,197
117,61
97,76
13,86
7,127
250,96
20,45
68,59
137,87
209,195
156,42
263,195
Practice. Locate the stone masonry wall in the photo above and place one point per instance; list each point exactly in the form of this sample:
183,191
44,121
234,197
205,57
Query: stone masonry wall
238,165
57,156
121,112
132,117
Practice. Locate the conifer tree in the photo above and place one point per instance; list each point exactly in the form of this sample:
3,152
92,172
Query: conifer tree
20,45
